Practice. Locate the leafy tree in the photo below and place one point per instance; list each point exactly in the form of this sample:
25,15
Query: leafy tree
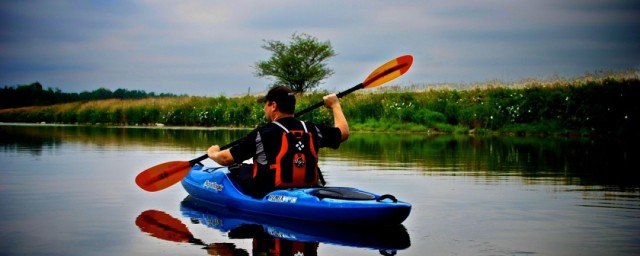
301,64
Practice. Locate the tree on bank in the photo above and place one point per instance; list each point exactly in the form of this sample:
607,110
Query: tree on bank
300,64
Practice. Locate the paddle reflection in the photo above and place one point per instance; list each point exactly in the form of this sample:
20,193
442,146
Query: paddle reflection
166,227
270,236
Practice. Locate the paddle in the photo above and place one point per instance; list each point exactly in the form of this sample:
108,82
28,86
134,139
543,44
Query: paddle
165,175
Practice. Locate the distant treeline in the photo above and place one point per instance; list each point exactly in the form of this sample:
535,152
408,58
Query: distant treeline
35,95
607,107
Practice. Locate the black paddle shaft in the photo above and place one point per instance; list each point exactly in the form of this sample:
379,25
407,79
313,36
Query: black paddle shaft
320,104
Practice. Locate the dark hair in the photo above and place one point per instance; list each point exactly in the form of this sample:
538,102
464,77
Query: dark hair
283,96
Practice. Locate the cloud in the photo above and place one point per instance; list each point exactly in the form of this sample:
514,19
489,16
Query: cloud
209,47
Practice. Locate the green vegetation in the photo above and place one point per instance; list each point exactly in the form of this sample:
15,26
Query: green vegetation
588,107
300,65
178,111
607,107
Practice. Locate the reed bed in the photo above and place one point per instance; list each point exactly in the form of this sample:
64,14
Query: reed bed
605,107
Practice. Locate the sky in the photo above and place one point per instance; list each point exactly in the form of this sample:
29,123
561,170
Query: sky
209,48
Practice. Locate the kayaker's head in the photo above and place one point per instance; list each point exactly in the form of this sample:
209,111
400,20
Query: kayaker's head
280,101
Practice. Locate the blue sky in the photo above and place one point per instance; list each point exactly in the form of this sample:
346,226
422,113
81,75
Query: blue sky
209,48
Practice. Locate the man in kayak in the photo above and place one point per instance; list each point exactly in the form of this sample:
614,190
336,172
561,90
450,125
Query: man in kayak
284,151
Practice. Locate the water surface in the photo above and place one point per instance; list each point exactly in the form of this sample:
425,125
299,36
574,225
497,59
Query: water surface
69,190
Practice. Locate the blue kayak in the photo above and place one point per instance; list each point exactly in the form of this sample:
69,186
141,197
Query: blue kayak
340,205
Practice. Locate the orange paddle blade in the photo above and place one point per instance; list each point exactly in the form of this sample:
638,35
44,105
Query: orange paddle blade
164,226
163,175
388,71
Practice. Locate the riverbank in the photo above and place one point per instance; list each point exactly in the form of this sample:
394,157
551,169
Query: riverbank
593,107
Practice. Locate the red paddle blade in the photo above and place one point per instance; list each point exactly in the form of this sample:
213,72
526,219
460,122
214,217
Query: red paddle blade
388,71
163,175
164,226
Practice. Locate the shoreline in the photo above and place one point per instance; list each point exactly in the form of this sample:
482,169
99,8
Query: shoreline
146,126
430,132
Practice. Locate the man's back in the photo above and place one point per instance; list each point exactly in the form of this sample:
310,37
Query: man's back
276,165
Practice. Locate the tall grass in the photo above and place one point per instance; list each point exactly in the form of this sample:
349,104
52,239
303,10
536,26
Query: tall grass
606,107
179,111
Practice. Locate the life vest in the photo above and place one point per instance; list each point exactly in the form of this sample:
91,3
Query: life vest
296,165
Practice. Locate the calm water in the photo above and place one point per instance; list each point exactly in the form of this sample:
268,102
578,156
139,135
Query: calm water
71,191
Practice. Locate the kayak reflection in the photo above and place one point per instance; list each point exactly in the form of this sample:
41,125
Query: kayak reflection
270,236
288,237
